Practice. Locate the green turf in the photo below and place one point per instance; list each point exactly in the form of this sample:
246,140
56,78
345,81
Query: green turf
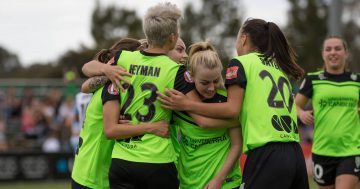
66,185
37,185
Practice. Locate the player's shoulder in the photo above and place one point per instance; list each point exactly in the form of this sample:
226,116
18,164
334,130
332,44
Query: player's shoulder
244,58
315,75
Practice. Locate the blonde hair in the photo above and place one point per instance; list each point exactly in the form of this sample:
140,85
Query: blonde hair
204,54
159,22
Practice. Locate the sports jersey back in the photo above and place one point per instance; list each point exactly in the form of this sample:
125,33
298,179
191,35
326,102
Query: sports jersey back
82,100
203,152
335,101
138,103
268,104
93,156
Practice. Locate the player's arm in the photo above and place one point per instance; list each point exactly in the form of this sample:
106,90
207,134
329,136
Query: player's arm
233,156
236,82
93,83
111,115
175,100
114,130
301,99
185,86
113,72
208,122
304,115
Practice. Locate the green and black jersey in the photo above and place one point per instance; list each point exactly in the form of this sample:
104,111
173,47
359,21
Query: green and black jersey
335,101
93,156
203,152
268,113
150,73
175,138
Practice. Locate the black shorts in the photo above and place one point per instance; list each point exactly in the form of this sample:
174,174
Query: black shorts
326,168
278,165
135,175
75,185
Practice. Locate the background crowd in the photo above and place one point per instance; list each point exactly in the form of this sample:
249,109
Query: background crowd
44,118
39,117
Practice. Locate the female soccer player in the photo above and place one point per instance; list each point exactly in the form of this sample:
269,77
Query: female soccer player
93,155
146,161
259,92
208,156
334,95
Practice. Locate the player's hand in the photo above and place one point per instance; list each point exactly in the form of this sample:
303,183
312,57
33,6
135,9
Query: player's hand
173,100
214,184
160,128
306,117
116,74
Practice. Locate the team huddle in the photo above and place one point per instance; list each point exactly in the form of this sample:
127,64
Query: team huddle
160,118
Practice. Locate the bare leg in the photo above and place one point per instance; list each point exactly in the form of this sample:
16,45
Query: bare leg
346,181
326,187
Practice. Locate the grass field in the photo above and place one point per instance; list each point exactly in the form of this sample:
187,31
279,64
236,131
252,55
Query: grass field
65,185
37,185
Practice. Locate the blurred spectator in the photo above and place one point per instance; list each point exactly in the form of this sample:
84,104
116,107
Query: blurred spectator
3,143
28,97
65,120
81,102
13,104
51,143
34,124
70,77
36,118
50,121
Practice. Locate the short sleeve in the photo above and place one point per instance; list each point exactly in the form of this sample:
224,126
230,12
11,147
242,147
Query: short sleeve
183,81
235,74
306,87
110,92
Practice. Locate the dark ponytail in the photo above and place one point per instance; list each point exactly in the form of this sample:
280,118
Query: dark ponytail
271,42
104,55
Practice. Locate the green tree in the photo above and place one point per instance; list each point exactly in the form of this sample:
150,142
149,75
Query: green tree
9,63
38,70
216,21
75,59
108,25
306,30
111,23
352,32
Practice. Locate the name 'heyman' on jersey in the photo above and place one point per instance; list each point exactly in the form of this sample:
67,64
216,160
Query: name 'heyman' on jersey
144,70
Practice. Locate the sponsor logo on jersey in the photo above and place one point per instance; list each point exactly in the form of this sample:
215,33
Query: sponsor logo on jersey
187,77
357,161
322,76
112,89
353,77
231,72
